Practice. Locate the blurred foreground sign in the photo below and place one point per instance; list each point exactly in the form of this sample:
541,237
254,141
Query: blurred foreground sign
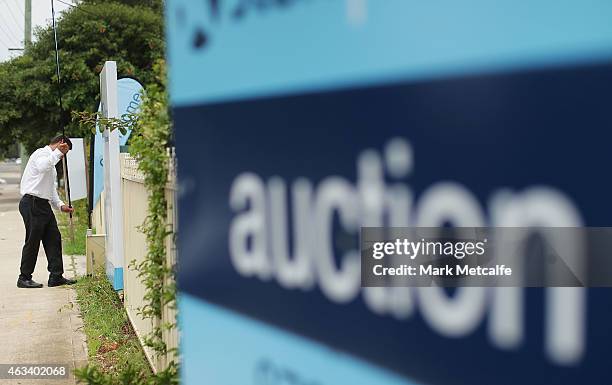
299,122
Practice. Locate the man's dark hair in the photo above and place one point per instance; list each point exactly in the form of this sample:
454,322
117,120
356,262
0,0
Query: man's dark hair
60,138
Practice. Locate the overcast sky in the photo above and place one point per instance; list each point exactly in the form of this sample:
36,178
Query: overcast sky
12,21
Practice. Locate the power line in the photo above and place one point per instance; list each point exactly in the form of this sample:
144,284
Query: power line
13,15
77,7
6,34
4,44
70,4
10,34
19,8
65,3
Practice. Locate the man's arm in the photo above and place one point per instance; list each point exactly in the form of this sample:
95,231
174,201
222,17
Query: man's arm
45,162
56,202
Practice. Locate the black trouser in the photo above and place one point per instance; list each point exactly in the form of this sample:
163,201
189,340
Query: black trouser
40,225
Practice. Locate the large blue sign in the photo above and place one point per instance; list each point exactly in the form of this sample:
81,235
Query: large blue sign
299,122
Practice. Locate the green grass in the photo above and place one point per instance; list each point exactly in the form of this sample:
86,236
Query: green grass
79,220
112,344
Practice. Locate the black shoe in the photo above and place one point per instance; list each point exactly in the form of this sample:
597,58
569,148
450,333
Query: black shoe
61,281
28,284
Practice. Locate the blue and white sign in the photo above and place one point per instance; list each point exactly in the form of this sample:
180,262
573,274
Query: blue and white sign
128,99
298,122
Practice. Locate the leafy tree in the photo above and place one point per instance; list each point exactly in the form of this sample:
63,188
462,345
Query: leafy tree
128,32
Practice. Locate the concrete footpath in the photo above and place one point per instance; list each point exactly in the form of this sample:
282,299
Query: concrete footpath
37,326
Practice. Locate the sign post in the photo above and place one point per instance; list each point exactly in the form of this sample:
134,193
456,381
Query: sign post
113,205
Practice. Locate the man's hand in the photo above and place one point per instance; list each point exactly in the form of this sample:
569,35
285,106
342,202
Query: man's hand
67,209
63,147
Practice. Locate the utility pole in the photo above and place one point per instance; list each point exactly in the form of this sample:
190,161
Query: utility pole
28,23
27,40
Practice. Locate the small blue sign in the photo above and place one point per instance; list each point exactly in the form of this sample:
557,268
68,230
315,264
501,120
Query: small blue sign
129,93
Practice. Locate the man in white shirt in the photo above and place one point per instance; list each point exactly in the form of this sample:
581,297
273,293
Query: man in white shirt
38,195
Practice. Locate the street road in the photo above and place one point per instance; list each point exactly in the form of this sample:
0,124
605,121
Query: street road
10,172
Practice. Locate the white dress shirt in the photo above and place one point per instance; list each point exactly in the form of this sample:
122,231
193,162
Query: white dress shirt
39,176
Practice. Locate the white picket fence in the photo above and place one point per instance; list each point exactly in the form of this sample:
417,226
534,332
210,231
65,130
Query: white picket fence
134,197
